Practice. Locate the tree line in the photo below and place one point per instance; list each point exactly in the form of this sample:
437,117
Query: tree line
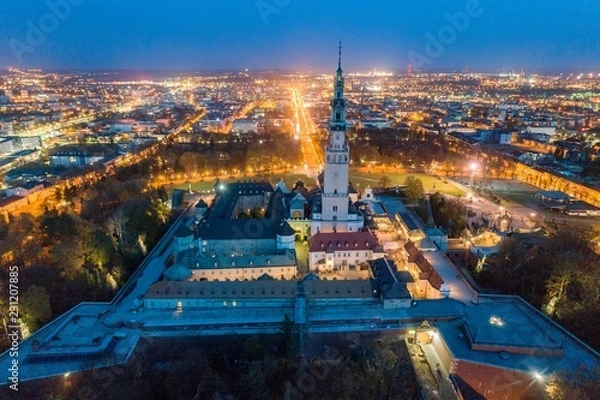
559,274
81,249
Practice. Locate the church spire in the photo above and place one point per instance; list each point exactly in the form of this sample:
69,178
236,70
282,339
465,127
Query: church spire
338,104
340,58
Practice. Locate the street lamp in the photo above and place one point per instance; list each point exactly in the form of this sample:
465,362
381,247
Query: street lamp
473,166
533,219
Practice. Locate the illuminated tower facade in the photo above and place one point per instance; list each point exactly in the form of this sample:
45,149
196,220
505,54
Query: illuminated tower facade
335,215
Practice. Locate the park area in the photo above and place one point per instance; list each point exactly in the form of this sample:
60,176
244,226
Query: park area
520,197
430,183
207,184
516,196
359,179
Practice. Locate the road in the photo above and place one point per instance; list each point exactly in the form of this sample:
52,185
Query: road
305,132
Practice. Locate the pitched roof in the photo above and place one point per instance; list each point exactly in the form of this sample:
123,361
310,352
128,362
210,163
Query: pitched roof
201,204
427,272
177,272
220,224
343,241
285,229
435,280
412,251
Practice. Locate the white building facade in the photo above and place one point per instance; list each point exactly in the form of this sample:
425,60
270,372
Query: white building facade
335,215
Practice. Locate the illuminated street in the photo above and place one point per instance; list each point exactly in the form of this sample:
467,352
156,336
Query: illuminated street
305,132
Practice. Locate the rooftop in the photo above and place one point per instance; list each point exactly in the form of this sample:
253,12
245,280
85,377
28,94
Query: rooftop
343,241
220,224
271,289
507,332
508,324
411,221
282,259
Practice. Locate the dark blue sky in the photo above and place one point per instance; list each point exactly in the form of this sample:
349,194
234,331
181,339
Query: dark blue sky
300,34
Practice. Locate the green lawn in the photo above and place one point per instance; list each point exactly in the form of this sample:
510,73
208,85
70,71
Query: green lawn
359,179
430,183
208,184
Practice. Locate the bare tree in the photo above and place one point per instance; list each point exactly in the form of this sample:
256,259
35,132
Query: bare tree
117,228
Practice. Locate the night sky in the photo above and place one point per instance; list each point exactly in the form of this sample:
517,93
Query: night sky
301,34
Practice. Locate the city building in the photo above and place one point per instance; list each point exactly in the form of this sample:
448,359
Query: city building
243,234
6,146
74,159
244,125
265,294
334,211
395,287
428,283
342,251
25,189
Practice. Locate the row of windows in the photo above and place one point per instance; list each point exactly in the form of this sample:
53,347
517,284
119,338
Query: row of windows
239,272
339,158
357,254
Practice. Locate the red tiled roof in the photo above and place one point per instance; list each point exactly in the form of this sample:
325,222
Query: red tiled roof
498,383
435,280
343,241
412,251
423,264
427,271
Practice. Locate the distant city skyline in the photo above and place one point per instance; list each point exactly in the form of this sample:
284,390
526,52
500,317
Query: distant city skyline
481,35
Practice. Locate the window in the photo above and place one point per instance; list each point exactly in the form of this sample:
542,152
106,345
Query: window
335,208
338,116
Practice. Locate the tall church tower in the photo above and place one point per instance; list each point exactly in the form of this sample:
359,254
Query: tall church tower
335,198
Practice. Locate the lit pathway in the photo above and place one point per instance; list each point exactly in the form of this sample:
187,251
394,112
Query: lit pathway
459,289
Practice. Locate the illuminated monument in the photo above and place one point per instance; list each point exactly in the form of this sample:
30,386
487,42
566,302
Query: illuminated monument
334,211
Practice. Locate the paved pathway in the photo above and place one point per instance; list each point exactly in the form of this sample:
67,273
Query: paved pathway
452,276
